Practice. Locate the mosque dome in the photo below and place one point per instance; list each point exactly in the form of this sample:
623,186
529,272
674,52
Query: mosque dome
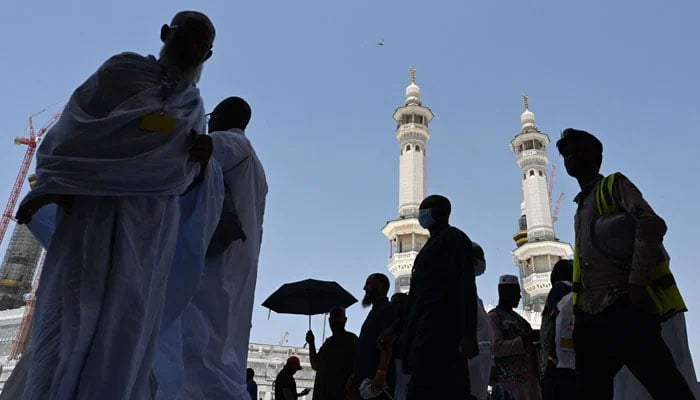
413,90
527,119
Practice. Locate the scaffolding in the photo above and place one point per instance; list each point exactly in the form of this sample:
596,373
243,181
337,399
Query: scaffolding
18,266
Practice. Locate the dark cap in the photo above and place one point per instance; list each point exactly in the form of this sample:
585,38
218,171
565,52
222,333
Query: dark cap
294,362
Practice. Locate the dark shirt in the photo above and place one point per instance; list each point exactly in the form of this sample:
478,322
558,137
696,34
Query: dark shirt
285,380
378,320
442,303
336,359
252,389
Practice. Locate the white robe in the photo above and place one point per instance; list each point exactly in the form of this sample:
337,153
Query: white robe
674,332
480,366
100,297
215,326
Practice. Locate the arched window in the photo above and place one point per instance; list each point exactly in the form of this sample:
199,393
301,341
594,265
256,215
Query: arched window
417,148
532,172
541,174
408,147
524,176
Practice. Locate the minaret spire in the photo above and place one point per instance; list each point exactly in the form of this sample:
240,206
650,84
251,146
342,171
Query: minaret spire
413,74
527,104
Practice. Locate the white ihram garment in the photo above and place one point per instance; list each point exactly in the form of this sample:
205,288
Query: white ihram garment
100,298
480,366
675,334
215,326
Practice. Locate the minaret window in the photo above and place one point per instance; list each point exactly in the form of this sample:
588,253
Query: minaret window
541,174
408,147
418,148
532,172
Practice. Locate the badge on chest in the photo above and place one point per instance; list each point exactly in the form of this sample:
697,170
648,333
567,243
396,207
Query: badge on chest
160,123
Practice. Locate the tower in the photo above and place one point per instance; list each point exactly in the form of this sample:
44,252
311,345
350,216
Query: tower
406,236
537,248
18,266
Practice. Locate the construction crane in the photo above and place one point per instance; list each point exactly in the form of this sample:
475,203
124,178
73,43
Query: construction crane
283,341
555,210
552,175
21,339
31,142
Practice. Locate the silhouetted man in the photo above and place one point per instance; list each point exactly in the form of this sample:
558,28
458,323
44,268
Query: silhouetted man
617,322
251,385
216,323
380,317
285,385
513,343
335,359
441,331
557,356
116,162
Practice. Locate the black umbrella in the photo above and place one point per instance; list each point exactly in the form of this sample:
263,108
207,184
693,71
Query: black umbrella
309,297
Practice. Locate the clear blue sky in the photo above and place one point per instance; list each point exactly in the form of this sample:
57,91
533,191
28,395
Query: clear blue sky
323,93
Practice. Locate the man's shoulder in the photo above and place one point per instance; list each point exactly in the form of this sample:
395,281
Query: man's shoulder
458,234
350,336
127,58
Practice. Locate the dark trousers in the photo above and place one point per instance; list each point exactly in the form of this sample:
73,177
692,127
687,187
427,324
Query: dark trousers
444,380
559,384
624,335
438,391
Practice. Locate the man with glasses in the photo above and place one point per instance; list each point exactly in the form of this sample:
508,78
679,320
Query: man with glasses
214,328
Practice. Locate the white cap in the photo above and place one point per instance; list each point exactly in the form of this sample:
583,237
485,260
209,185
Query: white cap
508,280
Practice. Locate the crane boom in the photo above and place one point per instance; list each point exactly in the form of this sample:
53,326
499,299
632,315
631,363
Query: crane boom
31,143
555,213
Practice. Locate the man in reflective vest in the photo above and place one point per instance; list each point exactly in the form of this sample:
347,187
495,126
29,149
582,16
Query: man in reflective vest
620,299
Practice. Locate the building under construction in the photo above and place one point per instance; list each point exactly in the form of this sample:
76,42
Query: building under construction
18,268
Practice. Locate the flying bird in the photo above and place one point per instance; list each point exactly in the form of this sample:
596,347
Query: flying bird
381,43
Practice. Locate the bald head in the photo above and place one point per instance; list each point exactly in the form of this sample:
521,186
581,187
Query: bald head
188,40
233,112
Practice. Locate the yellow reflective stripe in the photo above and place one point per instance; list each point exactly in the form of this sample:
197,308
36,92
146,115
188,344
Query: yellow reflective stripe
576,277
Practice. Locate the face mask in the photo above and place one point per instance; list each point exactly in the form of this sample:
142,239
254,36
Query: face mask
479,267
425,218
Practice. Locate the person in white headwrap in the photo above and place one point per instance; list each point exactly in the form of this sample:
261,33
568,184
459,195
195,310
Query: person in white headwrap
129,143
480,366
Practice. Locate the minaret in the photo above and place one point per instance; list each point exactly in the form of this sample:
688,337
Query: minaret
537,246
406,236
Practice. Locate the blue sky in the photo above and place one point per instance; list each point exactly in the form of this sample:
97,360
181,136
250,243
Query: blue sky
323,93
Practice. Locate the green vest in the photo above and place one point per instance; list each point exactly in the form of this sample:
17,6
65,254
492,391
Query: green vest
662,288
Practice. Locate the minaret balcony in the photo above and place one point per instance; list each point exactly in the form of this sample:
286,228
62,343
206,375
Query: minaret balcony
537,284
402,263
412,131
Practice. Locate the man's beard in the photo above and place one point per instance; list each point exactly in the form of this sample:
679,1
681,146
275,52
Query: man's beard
191,75
367,300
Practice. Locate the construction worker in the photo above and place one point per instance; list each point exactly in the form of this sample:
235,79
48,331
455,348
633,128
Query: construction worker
619,299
